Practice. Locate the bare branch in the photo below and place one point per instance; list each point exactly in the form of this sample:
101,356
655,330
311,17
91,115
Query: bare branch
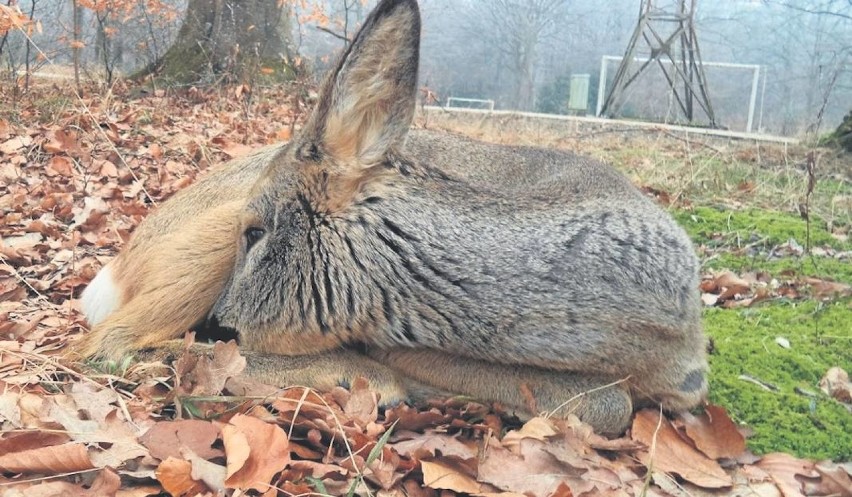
332,33
818,12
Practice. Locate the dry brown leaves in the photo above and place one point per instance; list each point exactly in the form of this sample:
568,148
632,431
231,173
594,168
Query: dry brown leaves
11,18
77,176
102,442
71,191
727,289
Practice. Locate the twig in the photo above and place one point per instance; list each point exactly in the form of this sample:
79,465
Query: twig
53,362
332,33
806,213
20,278
583,394
45,478
762,384
611,130
705,145
806,393
652,450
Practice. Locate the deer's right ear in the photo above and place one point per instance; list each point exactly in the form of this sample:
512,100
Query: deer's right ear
367,103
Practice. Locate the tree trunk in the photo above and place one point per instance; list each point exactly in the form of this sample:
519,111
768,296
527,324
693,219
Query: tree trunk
843,135
76,44
230,39
526,73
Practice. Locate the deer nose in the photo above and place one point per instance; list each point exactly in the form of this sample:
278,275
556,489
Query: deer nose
212,320
215,318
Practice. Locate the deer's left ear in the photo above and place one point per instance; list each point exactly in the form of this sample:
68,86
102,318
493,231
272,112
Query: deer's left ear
367,103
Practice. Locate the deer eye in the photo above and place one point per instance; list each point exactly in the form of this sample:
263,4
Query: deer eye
253,235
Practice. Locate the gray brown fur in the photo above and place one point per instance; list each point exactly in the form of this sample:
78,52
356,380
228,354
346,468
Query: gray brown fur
521,275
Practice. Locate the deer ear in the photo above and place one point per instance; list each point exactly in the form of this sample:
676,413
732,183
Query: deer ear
367,103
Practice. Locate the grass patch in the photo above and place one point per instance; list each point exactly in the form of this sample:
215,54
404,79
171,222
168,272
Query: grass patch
816,427
743,241
725,228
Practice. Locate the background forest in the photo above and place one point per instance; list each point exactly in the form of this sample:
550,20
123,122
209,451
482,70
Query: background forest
520,54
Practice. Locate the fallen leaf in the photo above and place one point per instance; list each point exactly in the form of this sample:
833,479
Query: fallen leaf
531,470
836,384
430,445
91,206
828,289
300,469
117,434
268,452
11,146
667,451
836,480
55,459
211,474
714,433
26,440
443,476
537,428
167,438
783,469
362,404
203,375
106,484
176,477
731,285
709,300
59,166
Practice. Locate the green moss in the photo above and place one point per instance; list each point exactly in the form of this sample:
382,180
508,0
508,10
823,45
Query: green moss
724,228
783,420
744,339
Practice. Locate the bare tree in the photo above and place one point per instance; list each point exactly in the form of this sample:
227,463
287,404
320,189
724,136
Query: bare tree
28,50
830,54
76,44
109,49
350,14
517,28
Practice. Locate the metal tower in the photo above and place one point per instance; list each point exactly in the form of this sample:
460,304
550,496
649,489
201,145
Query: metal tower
669,32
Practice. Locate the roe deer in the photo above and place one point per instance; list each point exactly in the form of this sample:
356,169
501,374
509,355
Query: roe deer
423,261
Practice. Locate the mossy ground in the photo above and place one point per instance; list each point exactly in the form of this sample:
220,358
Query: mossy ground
797,417
783,420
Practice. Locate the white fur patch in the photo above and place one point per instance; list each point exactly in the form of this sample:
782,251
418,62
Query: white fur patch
101,297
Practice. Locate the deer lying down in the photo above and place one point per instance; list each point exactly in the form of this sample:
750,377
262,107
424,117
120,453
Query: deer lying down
422,261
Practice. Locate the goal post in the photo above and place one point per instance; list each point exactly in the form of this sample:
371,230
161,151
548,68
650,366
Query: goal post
754,68
489,104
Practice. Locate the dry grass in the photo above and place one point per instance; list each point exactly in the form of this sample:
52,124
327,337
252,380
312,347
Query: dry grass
688,168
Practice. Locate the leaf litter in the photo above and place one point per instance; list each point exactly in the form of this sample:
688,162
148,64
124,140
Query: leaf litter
69,201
